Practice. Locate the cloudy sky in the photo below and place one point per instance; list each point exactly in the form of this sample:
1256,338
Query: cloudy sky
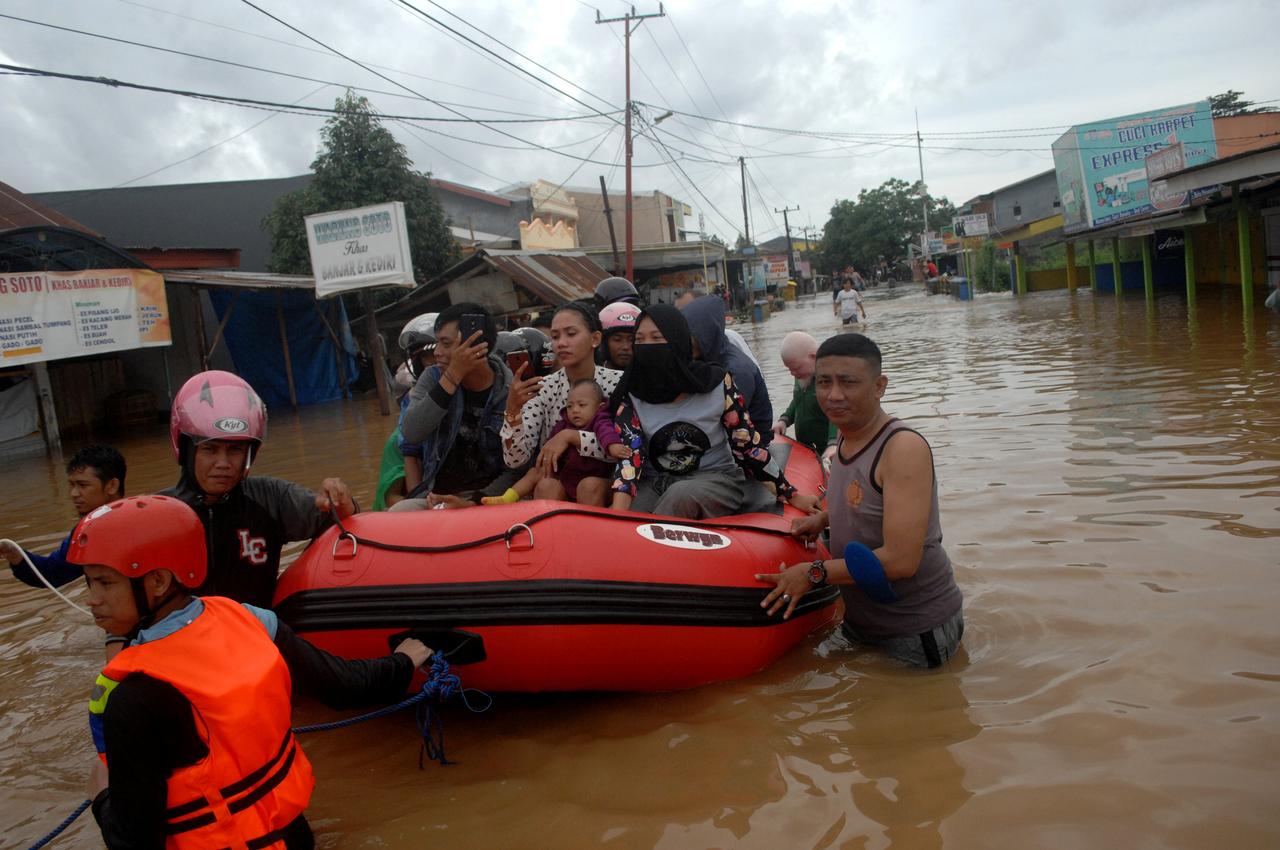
829,87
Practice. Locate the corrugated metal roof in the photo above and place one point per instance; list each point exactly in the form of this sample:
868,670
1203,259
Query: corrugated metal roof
19,210
241,280
556,277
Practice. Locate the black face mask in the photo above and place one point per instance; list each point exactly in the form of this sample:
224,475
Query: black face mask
655,373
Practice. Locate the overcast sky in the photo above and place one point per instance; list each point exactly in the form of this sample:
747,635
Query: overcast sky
822,68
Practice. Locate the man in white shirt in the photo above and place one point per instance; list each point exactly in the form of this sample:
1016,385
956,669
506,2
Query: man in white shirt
847,304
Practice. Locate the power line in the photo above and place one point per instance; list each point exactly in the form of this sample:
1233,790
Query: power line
293,109
503,59
356,62
534,62
676,165
278,73
409,129
91,192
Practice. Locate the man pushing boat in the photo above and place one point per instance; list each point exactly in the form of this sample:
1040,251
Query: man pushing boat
882,506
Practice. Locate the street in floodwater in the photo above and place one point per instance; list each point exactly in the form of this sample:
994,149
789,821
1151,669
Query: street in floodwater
1110,486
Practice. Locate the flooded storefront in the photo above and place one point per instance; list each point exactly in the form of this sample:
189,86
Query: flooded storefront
1110,486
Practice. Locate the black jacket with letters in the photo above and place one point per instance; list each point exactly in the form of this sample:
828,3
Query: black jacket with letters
245,531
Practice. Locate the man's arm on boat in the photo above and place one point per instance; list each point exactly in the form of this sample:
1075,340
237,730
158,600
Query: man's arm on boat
339,682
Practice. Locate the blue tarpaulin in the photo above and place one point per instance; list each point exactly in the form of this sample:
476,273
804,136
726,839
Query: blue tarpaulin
252,335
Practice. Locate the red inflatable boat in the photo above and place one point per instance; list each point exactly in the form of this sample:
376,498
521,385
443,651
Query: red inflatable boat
551,596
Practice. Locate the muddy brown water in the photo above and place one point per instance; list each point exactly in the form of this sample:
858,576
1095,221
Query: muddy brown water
1110,484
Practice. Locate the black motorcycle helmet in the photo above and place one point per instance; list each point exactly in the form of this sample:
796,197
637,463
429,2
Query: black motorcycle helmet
418,342
542,359
509,344
613,289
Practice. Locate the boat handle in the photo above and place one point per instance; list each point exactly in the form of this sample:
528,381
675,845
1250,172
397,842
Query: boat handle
511,532
355,545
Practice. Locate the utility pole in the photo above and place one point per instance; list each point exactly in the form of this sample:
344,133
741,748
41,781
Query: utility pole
627,30
608,217
924,194
702,241
786,226
746,228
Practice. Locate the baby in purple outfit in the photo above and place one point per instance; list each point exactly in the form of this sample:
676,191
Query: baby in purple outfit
586,410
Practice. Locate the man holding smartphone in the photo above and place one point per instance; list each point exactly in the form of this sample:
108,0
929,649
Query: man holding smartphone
455,414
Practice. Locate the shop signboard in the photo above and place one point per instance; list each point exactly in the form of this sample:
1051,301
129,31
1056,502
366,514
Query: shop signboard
1102,166
1167,160
970,225
775,269
1169,244
359,249
52,315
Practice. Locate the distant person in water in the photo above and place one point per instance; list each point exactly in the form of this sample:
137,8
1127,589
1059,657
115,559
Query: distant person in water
900,593
95,476
813,429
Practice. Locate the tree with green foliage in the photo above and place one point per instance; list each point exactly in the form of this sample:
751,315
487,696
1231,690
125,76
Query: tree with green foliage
880,223
1231,102
361,163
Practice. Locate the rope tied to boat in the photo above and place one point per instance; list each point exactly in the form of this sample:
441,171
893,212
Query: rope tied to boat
440,685
526,525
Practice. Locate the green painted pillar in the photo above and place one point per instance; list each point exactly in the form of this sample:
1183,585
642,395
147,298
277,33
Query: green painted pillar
1189,264
1093,268
1148,284
1246,251
1071,267
1115,265
1022,274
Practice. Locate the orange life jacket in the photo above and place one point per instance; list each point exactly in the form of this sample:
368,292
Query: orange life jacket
255,780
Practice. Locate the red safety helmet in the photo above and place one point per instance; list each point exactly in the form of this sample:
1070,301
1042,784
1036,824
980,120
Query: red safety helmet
137,535
619,316
216,405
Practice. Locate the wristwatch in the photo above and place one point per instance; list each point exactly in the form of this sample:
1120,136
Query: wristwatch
817,573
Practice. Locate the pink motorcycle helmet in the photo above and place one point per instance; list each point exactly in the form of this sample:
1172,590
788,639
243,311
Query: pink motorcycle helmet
619,316
216,405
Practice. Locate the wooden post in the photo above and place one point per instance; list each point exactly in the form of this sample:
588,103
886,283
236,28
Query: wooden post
1093,268
223,324
200,334
48,413
377,357
1189,264
1115,265
338,353
1148,285
1071,267
1022,273
1246,250
284,346
608,217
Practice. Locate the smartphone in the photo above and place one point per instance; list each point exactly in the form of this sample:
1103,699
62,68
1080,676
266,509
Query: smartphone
468,324
515,360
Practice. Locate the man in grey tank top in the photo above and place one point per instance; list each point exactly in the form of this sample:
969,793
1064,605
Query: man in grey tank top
882,507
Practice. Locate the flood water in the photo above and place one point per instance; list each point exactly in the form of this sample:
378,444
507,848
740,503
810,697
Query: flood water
1109,476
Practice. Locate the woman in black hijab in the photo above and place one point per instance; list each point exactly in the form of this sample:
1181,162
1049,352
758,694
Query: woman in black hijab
687,425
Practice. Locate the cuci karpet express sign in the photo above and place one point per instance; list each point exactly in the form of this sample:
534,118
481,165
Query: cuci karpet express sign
53,315
359,249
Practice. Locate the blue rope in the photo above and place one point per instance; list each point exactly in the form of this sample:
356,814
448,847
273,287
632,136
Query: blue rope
62,826
440,684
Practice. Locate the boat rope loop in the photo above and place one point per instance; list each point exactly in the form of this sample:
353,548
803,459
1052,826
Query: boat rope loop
440,685
526,526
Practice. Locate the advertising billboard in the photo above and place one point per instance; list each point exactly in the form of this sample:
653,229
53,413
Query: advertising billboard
1102,167
969,225
52,315
359,249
